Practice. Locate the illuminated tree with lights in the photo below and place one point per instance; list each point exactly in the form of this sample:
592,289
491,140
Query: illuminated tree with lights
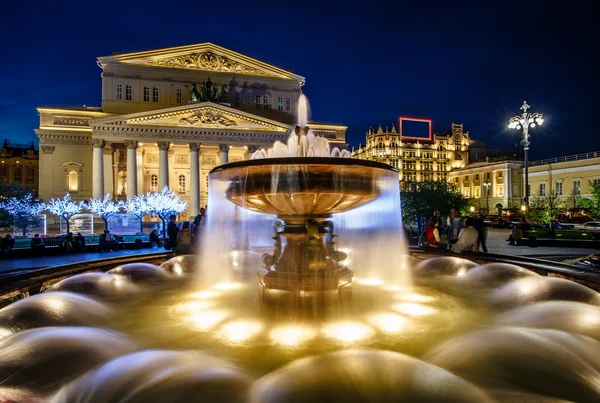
137,206
164,204
104,208
24,211
65,208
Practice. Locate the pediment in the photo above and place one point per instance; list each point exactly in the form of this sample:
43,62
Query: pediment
199,115
205,57
72,164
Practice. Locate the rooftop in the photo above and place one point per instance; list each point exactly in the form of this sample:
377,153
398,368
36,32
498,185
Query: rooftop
567,158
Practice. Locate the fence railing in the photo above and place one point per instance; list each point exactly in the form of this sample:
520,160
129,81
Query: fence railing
576,157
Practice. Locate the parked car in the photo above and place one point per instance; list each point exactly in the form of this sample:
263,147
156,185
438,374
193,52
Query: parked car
534,234
593,226
515,219
494,221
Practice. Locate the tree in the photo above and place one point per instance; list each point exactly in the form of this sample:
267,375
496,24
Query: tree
420,200
24,211
593,203
164,204
65,208
7,191
544,209
104,207
137,206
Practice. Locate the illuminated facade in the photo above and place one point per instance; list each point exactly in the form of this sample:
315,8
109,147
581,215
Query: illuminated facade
19,164
417,159
168,117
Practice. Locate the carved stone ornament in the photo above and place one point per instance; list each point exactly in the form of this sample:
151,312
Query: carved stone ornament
97,143
163,145
209,160
195,147
208,119
107,150
182,159
208,61
47,149
131,144
223,147
70,121
152,158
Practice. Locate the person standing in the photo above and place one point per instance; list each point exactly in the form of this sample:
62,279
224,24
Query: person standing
172,232
183,245
482,231
457,223
433,234
467,238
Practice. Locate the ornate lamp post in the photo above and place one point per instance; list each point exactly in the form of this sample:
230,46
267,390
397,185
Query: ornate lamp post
487,185
524,122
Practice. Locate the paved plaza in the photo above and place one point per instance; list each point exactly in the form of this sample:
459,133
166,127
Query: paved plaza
497,244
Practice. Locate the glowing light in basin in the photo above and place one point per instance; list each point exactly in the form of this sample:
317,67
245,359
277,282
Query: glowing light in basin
4,332
240,331
55,303
291,335
461,272
390,323
368,281
193,306
205,295
228,286
413,297
348,332
393,288
412,309
208,319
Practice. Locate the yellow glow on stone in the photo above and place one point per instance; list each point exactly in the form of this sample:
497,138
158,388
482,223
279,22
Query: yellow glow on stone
240,331
368,281
193,306
348,332
204,295
208,319
413,297
291,335
412,309
228,286
390,323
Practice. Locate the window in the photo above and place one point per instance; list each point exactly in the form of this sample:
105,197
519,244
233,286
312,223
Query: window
476,191
154,94
500,191
500,174
542,189
237,100
288,104
182,183
179,95
258,102
596,183
476,177
30,174
146,94
280,103
3,174
128,93
576,187
467,192
17,177
154,182
266,102
73,181
119,91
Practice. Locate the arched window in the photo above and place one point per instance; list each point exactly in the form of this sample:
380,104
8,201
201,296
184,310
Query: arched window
128,93
266,102
3,174
280,103
288,103
73,179
17,177
155,94
179,95
182,183
30,174
153,182
258,102
119,91
146,94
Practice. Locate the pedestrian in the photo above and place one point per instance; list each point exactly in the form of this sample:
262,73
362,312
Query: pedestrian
183,245
457,223
482,231
154,238
433,234
467,238
37,244
172,232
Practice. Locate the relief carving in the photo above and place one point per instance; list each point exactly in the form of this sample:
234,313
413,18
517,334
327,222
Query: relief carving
152,158
70,121
208,119
208,61
209,160
194,146
47,149
181,159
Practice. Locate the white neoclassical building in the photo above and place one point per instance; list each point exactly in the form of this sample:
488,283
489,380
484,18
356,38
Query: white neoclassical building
167,117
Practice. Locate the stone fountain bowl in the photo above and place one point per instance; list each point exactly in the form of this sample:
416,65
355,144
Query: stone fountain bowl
305,186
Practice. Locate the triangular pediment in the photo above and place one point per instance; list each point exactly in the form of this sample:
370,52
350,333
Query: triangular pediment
205,57
204,115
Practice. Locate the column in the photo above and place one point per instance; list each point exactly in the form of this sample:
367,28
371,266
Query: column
163,164
194,180
97,169
508,185
224,153
109,183
46,172
131,167
140,170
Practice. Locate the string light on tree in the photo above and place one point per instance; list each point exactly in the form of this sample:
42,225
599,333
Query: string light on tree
104,208
137,206
24,211
164,204
65,208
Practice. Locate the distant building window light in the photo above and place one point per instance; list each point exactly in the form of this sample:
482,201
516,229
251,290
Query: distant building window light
258,102
288,103
146,94
119,91
154,94
128,93
280,103
179,95
266,101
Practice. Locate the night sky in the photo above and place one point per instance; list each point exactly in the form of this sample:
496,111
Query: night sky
365,64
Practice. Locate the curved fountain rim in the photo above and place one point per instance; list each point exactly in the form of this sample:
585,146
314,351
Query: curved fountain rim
304,161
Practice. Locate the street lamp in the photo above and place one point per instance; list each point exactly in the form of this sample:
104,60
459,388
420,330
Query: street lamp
487,185
524,122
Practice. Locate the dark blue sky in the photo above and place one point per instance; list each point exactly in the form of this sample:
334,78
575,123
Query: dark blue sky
366,63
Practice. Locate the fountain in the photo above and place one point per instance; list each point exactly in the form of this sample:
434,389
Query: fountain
340,311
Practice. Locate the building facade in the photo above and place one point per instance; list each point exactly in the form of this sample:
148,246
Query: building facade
19,165
417,160
167,117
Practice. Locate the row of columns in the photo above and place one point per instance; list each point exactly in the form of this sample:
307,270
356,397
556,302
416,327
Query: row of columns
163,169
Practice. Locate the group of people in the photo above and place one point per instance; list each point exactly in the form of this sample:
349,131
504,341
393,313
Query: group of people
185,240
7,244
465,234
72,243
